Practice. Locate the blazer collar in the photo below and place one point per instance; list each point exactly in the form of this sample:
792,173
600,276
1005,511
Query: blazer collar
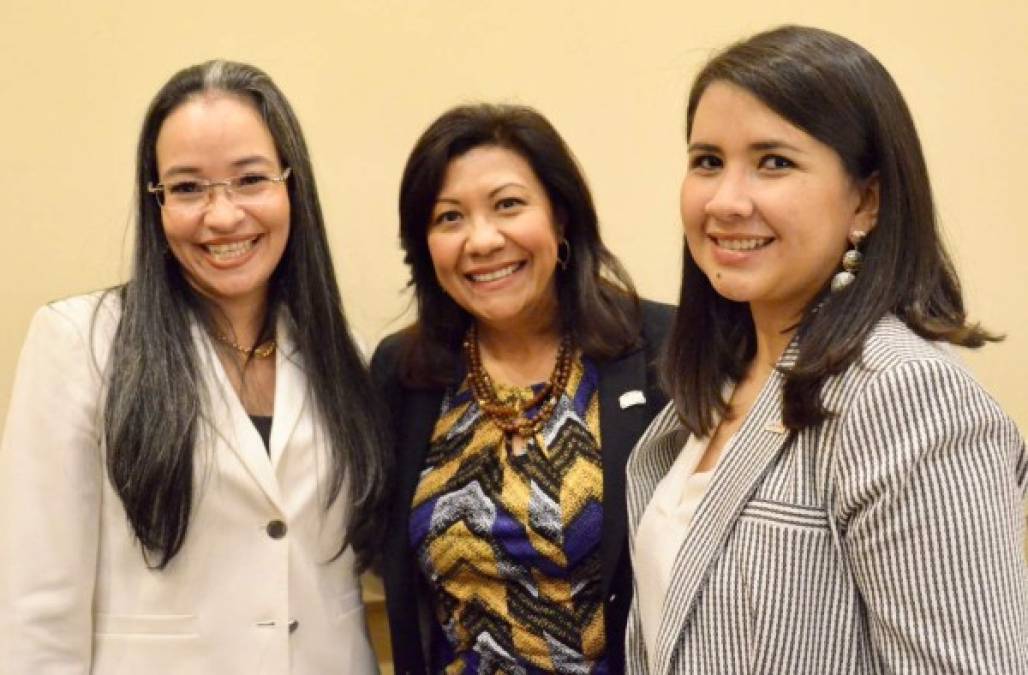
229,421
292,391
623,418
418,411
755,446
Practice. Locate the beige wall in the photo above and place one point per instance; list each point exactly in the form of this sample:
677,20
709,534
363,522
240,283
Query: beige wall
366,77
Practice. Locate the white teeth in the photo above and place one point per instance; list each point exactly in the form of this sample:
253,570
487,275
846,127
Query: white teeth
742,244
223,252
498,274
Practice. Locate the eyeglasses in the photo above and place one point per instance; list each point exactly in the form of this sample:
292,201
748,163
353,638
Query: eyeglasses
193,195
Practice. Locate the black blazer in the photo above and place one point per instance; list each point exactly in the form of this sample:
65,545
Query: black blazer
413,414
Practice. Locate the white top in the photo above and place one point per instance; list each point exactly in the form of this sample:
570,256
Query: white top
255,588
662,530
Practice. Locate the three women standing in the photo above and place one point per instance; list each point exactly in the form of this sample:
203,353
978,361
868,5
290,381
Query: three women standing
516,398
190,458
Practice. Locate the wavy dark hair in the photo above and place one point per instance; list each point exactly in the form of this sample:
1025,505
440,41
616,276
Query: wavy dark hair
598,302
154,399
836,91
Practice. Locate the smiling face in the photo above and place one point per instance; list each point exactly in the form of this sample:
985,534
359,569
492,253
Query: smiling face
767,208
227,251
493,239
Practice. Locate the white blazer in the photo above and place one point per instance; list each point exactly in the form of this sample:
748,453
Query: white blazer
888,539
75,593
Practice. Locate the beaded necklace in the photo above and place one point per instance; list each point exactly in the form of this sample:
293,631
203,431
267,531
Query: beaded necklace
512,419
261,351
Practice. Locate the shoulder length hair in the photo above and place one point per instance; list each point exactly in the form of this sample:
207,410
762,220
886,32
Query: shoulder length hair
155,391
597,300
836,91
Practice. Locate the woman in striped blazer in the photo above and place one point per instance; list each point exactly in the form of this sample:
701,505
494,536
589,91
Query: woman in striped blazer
830,490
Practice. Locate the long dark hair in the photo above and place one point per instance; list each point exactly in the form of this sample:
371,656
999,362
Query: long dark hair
597,299
836,91
155,398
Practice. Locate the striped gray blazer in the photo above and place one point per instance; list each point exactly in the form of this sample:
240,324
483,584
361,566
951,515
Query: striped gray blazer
888,539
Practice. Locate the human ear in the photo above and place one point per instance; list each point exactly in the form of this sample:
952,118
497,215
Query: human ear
866,216
560,222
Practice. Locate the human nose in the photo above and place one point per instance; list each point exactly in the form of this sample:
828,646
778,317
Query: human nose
731,198
484,237
220,210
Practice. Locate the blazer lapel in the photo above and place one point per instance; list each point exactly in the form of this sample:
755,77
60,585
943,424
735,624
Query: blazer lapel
229,421
651,459
622,420
291,393
416,418
757,443
419,415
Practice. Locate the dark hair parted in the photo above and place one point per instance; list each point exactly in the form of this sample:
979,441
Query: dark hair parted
598,302
155,395
836,91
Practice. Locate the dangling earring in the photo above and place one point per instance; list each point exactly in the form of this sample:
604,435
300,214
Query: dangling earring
563,253
850,262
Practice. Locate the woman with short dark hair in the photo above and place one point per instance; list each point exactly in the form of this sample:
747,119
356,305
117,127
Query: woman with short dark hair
830,491
515,399
189,458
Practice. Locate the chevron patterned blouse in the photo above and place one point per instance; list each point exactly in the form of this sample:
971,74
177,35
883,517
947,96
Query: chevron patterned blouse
509,544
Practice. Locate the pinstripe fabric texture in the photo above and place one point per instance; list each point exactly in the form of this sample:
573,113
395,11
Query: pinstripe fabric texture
888,539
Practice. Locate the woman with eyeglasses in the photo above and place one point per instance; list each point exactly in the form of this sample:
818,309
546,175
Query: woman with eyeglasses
189,457
830,491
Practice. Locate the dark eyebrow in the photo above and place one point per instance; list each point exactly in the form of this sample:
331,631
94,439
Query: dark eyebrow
506,185
237,164
759,146
179,170
703,147
253,159
774,145
451,200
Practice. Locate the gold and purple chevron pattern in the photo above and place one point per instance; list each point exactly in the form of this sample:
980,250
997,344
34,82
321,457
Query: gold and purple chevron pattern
509,544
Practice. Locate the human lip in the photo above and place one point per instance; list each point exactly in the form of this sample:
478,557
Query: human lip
230,250
494,274
741,244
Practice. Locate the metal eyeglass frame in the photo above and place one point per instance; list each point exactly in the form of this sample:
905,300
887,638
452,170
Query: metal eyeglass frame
157,189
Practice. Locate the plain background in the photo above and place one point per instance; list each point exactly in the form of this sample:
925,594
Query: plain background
367,77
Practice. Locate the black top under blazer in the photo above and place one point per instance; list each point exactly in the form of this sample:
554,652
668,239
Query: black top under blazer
413,414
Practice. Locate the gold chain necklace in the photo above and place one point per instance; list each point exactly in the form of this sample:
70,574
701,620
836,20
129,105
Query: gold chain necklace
261,351
512,419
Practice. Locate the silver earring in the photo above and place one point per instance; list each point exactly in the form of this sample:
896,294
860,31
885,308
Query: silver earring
563,247
851,261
